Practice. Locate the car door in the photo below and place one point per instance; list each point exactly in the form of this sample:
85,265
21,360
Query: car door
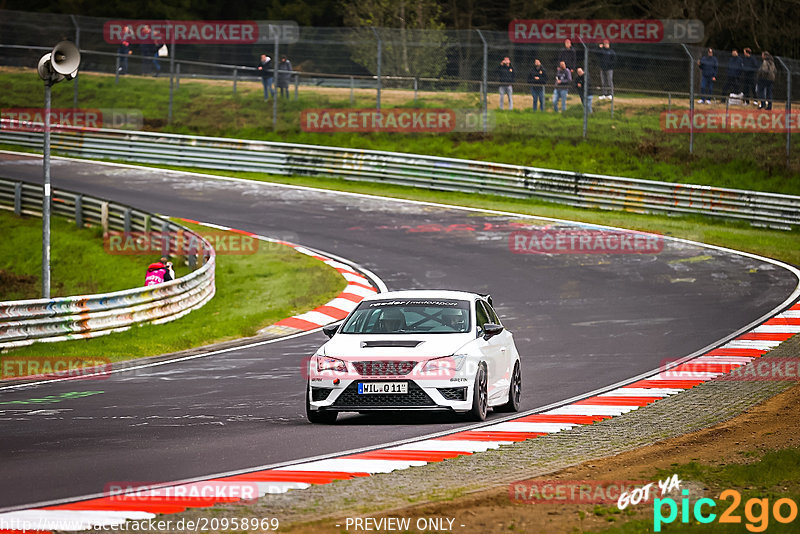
507,350
494,353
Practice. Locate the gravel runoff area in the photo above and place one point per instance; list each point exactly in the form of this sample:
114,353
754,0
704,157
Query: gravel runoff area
697,408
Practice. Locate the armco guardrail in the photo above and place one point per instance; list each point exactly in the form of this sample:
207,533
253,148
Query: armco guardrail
448,174
24,322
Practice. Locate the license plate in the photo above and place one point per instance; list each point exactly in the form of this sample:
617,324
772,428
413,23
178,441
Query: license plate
366,388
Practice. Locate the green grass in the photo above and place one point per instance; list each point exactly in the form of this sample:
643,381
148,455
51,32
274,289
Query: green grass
632,144
79,265
253,291
773,475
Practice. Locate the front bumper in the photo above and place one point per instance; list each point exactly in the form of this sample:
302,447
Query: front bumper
428,395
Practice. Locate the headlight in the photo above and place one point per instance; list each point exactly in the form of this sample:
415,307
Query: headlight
326,363
445,366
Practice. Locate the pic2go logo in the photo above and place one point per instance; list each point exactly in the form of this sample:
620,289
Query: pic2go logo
756,511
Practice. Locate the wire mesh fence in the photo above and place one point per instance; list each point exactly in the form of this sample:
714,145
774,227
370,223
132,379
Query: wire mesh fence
383,68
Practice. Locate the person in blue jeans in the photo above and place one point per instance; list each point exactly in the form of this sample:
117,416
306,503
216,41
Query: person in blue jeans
265,69
537,78
708,68
563,79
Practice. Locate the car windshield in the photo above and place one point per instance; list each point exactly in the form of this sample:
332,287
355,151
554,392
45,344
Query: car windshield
409,316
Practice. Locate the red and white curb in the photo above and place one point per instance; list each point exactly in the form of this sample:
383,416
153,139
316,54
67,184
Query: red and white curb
358,287
170,499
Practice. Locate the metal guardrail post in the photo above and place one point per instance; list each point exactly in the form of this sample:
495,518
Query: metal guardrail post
146,223
165,246
116,72
104,217
691,98
18,198
586,83
485,82
235,76
126,220
277,89
416,88
788,108
296,85
177,76
171,76
79,211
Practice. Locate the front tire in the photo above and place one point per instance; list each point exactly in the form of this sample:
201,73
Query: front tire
514,392
317,416
480,397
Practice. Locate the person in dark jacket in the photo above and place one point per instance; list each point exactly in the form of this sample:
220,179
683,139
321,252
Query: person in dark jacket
506,74
284,73
708,68
749,69
581,82
568,56
124,50
563,79
733,82
538,79
608,60
766,78
266,70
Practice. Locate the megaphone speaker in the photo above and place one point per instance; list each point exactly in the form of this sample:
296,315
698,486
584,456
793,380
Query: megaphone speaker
65,59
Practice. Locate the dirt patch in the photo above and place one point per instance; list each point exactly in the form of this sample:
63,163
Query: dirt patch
768,426
17,285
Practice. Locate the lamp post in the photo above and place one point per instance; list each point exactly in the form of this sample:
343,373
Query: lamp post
60,64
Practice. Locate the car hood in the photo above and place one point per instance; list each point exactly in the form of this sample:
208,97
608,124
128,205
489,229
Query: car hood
354,347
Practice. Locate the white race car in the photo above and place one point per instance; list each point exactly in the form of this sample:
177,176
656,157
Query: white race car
415,350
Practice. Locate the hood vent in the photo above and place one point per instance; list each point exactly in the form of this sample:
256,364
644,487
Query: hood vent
406,343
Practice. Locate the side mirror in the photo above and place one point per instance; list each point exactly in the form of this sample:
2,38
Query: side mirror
331,329
490,330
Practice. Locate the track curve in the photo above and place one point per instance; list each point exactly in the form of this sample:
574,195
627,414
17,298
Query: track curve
580,321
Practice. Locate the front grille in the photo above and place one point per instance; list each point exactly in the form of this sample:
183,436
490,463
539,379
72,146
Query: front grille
415,397
384,367
320,394
454,394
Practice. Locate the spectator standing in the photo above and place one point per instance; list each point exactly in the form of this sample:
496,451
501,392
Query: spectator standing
568,56
608,61
284,74
170,273
708,68
124,50
749,69
147,49
158,43
581,82
733,82
506,74
563,79
265,69
766,79
538,79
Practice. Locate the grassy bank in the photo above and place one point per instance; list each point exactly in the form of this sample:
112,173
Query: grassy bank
253,291
632,144
79,264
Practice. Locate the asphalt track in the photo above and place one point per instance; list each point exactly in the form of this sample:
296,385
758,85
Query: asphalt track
580,322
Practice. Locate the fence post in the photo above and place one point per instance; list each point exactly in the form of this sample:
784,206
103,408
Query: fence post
171,74
116,72
126,220
18,198
484,81
235,76
788,108
352,89
78,46
79,211
177,76
691,98
296,85
380,54
165,237
104,217
586,83
416,88
277,89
